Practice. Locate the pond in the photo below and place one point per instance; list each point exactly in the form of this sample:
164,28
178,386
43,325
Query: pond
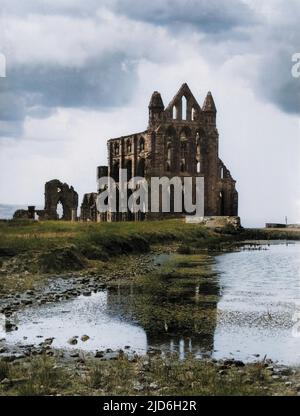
236,305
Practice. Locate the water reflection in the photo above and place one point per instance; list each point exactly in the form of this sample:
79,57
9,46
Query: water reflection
176,317
260,293
173,311
244,310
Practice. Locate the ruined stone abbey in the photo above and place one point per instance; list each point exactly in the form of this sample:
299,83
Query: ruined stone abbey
181,140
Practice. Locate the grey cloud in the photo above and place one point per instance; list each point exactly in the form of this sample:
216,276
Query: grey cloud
206,16
276,83
36,90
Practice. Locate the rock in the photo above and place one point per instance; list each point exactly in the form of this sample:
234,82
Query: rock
229,362
99,354
9,356
239,363
153,386
74,355
275,377
73,341
138,387
285,371
85,338
288,383
48,341
5,382
9,326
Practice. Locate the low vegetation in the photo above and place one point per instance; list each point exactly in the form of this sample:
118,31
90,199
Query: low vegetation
150,375
31,249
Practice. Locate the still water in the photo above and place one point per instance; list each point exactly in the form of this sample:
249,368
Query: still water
244,311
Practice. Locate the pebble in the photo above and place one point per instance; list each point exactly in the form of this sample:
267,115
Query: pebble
85,338
73,341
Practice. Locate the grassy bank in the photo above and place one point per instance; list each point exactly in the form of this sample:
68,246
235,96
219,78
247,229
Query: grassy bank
29,250
150,375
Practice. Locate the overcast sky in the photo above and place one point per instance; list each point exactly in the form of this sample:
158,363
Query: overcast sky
80,72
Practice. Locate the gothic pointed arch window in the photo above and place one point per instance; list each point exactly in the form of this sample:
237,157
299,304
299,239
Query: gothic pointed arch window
168,156
222,172
174,112
183,154
142,144
128,146
116,149
183,108
193,114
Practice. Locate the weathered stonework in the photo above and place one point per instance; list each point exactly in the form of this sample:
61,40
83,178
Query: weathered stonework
55,192
181,140
88,209
216,222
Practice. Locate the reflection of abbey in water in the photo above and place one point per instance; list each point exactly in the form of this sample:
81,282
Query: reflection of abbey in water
173,320
181,140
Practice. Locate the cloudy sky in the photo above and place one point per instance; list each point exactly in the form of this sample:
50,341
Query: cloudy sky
80,72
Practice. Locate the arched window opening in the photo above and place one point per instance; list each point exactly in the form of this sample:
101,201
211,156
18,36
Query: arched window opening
128,146
60,210
222,204
141,167
183,148
116,149
168,167
169,151
184,108
193,114
198,167
174,112
142,144
182,166
222,173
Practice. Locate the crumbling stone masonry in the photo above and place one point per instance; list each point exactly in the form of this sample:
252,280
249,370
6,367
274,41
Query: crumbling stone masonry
56,192
88,210
181,140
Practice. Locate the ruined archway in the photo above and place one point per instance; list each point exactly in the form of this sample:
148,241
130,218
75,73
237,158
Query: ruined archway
57,193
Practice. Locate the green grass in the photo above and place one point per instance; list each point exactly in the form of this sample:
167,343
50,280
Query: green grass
37,248
113,237
150,375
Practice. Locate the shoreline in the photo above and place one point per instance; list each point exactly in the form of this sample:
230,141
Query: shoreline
96,276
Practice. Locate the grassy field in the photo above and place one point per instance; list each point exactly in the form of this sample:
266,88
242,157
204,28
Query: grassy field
33,249
116,238
20,236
